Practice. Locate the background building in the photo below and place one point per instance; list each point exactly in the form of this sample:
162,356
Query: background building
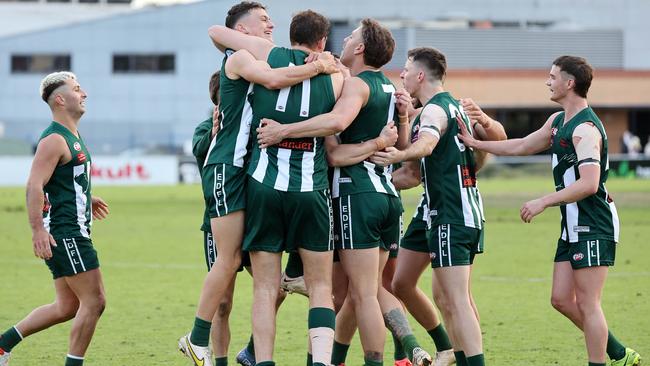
146,69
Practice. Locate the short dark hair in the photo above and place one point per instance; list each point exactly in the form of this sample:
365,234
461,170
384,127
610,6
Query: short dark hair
238,11
378,43
308,27
579,68
431,59
213,87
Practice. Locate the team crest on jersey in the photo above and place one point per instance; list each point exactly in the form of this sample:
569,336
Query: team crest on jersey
77,146
81,157
416,133
578,256
553,133
432,255
394,246
46,205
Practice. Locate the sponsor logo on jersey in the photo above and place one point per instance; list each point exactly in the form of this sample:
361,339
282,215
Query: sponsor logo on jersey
581,229
578,256
415,133
564,143
345,180
81,157
303,144
77,146
468,175
553,133
46,204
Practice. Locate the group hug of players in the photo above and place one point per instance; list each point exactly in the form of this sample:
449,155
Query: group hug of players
281,117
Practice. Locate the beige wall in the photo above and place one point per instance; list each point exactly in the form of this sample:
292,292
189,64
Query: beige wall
612,93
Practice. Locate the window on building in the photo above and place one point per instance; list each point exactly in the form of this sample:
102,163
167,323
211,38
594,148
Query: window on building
39,64
144,64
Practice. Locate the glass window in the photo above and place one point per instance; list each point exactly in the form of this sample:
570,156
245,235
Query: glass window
38,64
144,64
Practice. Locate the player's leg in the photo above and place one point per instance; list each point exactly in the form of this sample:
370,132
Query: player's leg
346,326
89,289
267,267
339,283
220,330
386,281
589,284
292,278
62,309
318,277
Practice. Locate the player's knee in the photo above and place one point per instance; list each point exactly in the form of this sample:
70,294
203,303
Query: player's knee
400,288
67,309
587,306
560,303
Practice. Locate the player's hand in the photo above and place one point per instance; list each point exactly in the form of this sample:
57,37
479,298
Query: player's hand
269,133
474,112
328,63
386,157
389,134
42,241
216,123
99,208
531,209
403,102
464,134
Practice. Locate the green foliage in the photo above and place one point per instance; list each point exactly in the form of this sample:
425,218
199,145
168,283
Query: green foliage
152,263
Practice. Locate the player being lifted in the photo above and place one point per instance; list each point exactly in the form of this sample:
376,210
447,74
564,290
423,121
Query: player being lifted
61,208
224,172
590,226
289,180
367,208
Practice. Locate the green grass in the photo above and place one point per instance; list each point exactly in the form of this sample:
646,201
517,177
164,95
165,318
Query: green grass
153,267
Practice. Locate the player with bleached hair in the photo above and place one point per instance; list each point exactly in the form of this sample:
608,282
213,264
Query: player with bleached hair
61,210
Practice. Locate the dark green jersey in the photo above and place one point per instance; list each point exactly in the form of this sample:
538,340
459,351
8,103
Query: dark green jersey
378,111
230,146
450,173
593,217
67,209
200,146
293,165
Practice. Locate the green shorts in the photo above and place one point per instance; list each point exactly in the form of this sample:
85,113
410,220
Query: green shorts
454,245
224,189
415,238
210,251
394,247
586,253
279,221
72,256
367,220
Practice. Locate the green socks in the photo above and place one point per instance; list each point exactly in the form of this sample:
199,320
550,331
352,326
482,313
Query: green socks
615,350
367,362
399,350
250,347
409,343
294,265
460,358
71,360
221,361
265,363
476,360
10,338
339,353
440,338
310,360
200,333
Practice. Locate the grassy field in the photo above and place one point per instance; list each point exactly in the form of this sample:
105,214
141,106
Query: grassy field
152,262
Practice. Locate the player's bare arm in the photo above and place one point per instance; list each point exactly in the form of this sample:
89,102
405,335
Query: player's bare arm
433,124
407,176
353,97
243,64
587,142
99,208
404,105
51,151
534,143
339,155
224,37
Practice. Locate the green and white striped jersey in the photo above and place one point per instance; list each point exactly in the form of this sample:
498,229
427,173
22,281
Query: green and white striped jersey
68,204
293,165
450,173
231,145
594,217
378,111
